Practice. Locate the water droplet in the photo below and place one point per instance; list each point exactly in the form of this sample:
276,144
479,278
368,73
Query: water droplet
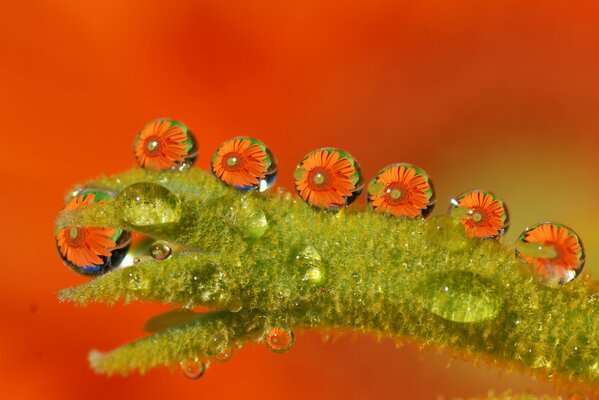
160,250
217,343
300,306
553,250
483,214
144,204
91,250
328,178
280,340
401,190
447,232
224,355
165,144
193,368
309,263
459,296
244,163
249,221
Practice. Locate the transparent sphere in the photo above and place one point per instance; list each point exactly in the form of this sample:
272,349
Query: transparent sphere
483,214
328,178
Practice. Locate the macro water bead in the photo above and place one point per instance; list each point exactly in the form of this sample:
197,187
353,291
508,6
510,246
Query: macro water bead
401,190
91,250
554,250
328,178
245,164
482,213
280,340
165,144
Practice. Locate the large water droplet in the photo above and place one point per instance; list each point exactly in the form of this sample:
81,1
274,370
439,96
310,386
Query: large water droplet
280,340
447,232
144,204
160,250
248,220
554,250
193,368
459,296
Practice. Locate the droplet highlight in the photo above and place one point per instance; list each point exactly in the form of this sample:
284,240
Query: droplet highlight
328,178
553,250
193,368
244,163
483,214
160,250
144,204
165,144
401,190
280,340
91,250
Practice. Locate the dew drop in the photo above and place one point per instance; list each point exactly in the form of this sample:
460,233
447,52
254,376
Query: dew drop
193,368
482,213
459,296
160,250
447,232
249,221
244,163
216,344
401,190
280,340
91,250
320,175
143,204
553,250
224,355
165,144
309,264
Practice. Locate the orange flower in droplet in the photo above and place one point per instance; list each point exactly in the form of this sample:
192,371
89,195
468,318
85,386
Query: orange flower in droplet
335,181
486,217
565,244
405,192
161,145
239,162
83,247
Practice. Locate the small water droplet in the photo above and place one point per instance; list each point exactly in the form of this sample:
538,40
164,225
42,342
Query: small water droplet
300,306
144,204
321,172
280,340
136,260
160,250
482,213
244,163
165,144
401,190
217,343
553,250
459,296
356,277
224,355
309,263
193,368
447,232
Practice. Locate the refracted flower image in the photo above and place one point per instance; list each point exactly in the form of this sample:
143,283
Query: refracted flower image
90,250
556,253
482,213
402,190
244,163
328,178
164,144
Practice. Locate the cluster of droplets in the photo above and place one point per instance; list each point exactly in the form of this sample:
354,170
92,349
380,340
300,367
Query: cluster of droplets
328,179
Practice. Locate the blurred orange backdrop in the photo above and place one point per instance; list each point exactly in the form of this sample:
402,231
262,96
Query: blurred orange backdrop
501,95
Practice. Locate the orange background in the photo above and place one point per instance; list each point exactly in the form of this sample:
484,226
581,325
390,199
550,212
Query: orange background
502,95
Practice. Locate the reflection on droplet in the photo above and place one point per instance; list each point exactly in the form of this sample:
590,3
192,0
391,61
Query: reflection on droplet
224,355
483,214
144,204
309,263
193,368
447,232
160,250
554,250
459,296
280,340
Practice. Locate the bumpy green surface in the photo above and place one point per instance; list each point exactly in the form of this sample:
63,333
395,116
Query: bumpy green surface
264,261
